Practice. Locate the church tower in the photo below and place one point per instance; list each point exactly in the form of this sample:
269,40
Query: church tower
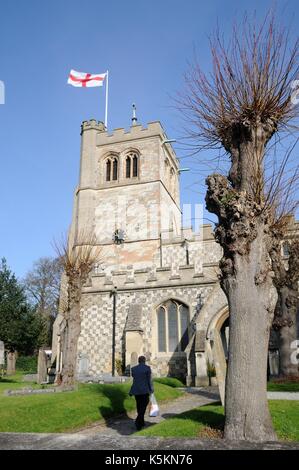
128,193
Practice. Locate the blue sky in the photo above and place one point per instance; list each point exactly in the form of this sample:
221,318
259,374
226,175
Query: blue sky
145,45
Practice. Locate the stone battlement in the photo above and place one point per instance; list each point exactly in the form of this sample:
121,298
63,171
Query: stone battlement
152,276
138,131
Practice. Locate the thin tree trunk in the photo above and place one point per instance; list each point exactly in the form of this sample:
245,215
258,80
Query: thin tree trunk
286,316
70,347
288,335
251,301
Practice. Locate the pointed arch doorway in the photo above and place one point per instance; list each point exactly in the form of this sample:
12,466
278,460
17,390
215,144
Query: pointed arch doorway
218,336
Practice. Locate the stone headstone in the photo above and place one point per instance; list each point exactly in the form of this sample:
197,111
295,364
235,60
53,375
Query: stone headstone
42,367
274,362
2,359
11,363
83,364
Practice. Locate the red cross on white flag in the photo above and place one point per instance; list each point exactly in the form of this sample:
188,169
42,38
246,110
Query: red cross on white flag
82,79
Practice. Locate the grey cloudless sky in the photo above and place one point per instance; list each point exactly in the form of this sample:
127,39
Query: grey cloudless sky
145,45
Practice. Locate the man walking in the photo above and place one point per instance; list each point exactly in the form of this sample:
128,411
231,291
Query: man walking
141,388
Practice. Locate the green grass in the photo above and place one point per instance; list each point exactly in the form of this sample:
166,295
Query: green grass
170,381
15,381
59,412
208,420
285,417
283,387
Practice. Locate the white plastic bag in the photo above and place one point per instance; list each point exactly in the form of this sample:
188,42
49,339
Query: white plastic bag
154,408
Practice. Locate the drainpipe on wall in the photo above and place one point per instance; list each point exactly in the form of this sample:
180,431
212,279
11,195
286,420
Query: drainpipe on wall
113,294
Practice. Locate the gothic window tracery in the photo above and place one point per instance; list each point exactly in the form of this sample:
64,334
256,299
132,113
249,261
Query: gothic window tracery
111,166
132,165
172,326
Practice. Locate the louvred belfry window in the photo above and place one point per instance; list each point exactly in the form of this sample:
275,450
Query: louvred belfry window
128,167
135,166
132,162
115,169
111,169
108,170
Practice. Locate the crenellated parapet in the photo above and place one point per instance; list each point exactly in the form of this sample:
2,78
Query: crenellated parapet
122,135
92,124
152,276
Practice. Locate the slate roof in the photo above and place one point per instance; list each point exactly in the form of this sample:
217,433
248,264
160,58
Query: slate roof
134,317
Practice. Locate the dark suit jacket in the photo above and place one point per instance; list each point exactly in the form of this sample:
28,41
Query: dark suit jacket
142,383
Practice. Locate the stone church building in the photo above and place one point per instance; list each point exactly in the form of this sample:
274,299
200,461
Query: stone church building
156,278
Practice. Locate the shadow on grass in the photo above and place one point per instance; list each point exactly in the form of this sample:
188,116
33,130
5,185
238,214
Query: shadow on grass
203,416
8,381
214,395
210,421
115,415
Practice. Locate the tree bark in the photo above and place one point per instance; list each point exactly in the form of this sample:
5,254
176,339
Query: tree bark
288,335
247,280
285,318
285,322
251,306
70,346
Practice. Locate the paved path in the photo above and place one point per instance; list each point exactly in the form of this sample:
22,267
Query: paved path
125,426
283,395
36,441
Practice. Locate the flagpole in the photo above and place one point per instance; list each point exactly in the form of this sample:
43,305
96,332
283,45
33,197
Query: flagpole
106,107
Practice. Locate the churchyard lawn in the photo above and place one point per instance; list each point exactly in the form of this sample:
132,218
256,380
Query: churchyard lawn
208,421
67,411
283,387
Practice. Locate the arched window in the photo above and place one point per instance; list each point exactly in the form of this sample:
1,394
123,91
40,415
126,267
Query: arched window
161,329
128,167
115,165
108,170
132,165
111,169
172,323
172,181
166,172
135,166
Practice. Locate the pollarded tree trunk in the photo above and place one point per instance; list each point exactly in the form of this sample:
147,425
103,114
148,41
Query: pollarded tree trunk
251,303
246,278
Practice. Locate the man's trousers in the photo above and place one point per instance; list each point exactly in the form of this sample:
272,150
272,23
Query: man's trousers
141,401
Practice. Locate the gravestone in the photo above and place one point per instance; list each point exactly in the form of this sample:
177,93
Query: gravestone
42,366
274,362
2,360
11,363
83,364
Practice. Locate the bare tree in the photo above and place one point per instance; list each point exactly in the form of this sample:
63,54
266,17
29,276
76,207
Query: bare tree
77,261
285,321
240,107
42,285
